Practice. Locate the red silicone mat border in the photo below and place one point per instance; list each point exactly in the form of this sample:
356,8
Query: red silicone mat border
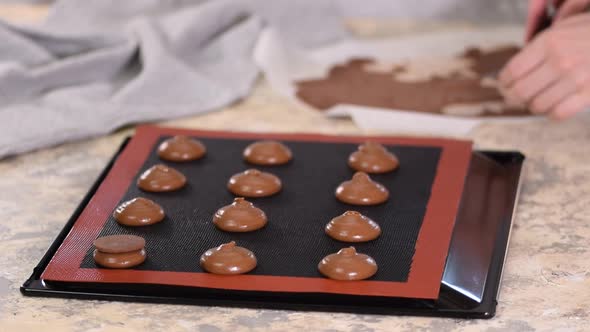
428,262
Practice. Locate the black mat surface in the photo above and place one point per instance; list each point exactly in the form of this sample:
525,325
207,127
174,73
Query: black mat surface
293,242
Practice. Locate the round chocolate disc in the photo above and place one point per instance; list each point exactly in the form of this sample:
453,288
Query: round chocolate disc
160,178
181,148
119,251
347,264
138,212
372,157
361,190
119,261
254,183
267,153
239,216
117,244
353,227
228,259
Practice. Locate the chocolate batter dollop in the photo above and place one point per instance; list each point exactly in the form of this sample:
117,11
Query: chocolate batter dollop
267,153
361,190
254,183
228,258
119,251
351,83
239,216
347,264
138,212
372,157
352,226
161,178
181,148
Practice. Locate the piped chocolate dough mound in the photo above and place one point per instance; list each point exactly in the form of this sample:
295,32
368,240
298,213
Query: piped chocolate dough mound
181,149
347,264
228,258
351,226
361,190
267,153
254,183
468,88
239,216
374,158
161,178
139,212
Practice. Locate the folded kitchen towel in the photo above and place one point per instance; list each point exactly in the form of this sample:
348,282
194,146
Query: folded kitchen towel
94,66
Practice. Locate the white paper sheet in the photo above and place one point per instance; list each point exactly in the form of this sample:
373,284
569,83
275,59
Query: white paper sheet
282,65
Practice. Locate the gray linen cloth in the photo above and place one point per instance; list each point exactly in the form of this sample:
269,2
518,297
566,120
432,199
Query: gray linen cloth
94,66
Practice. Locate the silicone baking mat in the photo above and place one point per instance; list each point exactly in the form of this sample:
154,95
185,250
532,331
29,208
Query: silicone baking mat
417,221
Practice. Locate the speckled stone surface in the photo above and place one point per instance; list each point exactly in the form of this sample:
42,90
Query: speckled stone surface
546,284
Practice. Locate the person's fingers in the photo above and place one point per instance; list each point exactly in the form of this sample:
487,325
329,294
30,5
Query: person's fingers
577,20
569,106
524,62
553,95
571,7
524,89
510,101
536,10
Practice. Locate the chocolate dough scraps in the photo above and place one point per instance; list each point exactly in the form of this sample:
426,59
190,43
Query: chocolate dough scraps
464,85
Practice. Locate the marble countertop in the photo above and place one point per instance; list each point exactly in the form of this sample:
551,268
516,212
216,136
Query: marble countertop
546,285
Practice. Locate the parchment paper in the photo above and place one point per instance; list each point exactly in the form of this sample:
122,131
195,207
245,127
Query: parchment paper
283,65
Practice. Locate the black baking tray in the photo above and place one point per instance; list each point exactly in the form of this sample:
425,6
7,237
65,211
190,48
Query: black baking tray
469,288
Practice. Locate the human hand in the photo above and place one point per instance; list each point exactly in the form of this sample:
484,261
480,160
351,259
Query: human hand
563,10
551,75
569,8
535,13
